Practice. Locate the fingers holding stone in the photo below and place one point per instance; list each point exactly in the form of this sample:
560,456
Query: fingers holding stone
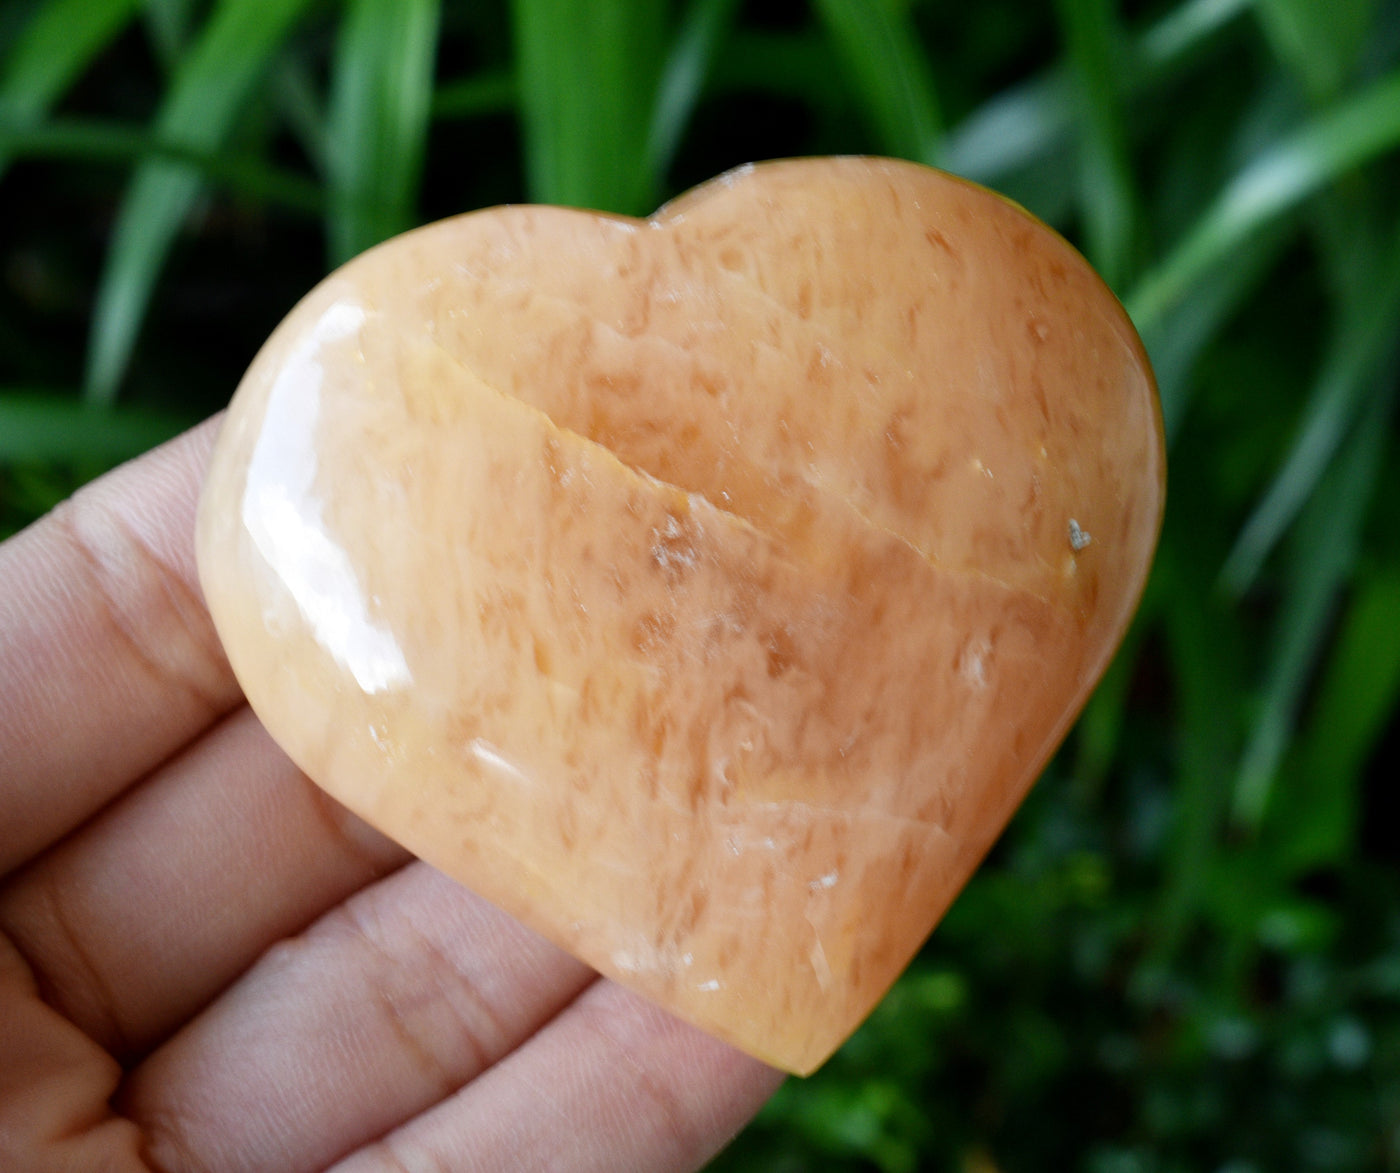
140,918
108,657
54,1086
612,1084
384,1007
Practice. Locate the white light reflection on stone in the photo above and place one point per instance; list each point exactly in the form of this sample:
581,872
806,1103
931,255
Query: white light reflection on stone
284,517
488,755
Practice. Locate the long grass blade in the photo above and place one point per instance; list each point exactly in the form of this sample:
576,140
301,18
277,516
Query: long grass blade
1366,338
91,140
1315,815
1319,42
488,92
1031,122
889,72
1013,131
697,42
300,103
588,76
233,49
1099,730
1355,701
381,99
169,23
1327,539
1107,200
795,66
1342,138
1361,687
38,426
52,50
1206,659
1178,33
1175,342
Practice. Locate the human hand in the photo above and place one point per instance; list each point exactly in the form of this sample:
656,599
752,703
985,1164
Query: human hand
207,964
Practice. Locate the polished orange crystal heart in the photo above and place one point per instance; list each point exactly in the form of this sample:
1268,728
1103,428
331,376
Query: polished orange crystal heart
707,590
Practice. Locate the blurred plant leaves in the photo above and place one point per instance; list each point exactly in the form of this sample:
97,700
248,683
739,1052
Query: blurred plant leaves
697,42
1107,200
60,40
1183,29
1028,124
1325,551
1176,340
89,140
46,426
1315,811
876,41
381,99
1318,42
482,93
1343,137
799,66
1353,372
1210,669
169,22
301,106
234,47
587,78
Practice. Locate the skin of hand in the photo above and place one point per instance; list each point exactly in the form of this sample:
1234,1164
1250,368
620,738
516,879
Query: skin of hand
208,965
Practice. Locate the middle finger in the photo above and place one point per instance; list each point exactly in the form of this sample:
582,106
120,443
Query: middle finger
386,1005
141,917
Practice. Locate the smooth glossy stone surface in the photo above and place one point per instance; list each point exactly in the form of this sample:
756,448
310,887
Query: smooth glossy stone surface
705,591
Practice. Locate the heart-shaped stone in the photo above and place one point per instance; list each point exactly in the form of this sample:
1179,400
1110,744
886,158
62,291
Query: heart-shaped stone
706,591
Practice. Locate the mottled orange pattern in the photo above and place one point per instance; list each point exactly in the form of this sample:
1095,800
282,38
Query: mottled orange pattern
708,590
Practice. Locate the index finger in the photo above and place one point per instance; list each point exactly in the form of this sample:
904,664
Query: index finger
109,662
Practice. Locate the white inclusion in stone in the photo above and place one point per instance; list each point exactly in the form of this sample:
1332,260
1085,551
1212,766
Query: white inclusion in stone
826,881
972,662
284,517
821,968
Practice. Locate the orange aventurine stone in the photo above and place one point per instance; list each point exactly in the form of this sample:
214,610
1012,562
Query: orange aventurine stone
708,590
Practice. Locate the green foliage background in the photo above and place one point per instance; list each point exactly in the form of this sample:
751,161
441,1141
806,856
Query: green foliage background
1185,954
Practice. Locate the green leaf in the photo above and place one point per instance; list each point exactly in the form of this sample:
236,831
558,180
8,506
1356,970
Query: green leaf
588,76
889,73
88,140
488,92
1177,34
1206,658
1318,42
169,22
1356,699
797,66
1367,335
1107,199
1029,123
1361,687
301,107
1323,557
38,426
1177,340
58,43
703,30
381,99
1098,731
1326,147
232,51
1013,130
